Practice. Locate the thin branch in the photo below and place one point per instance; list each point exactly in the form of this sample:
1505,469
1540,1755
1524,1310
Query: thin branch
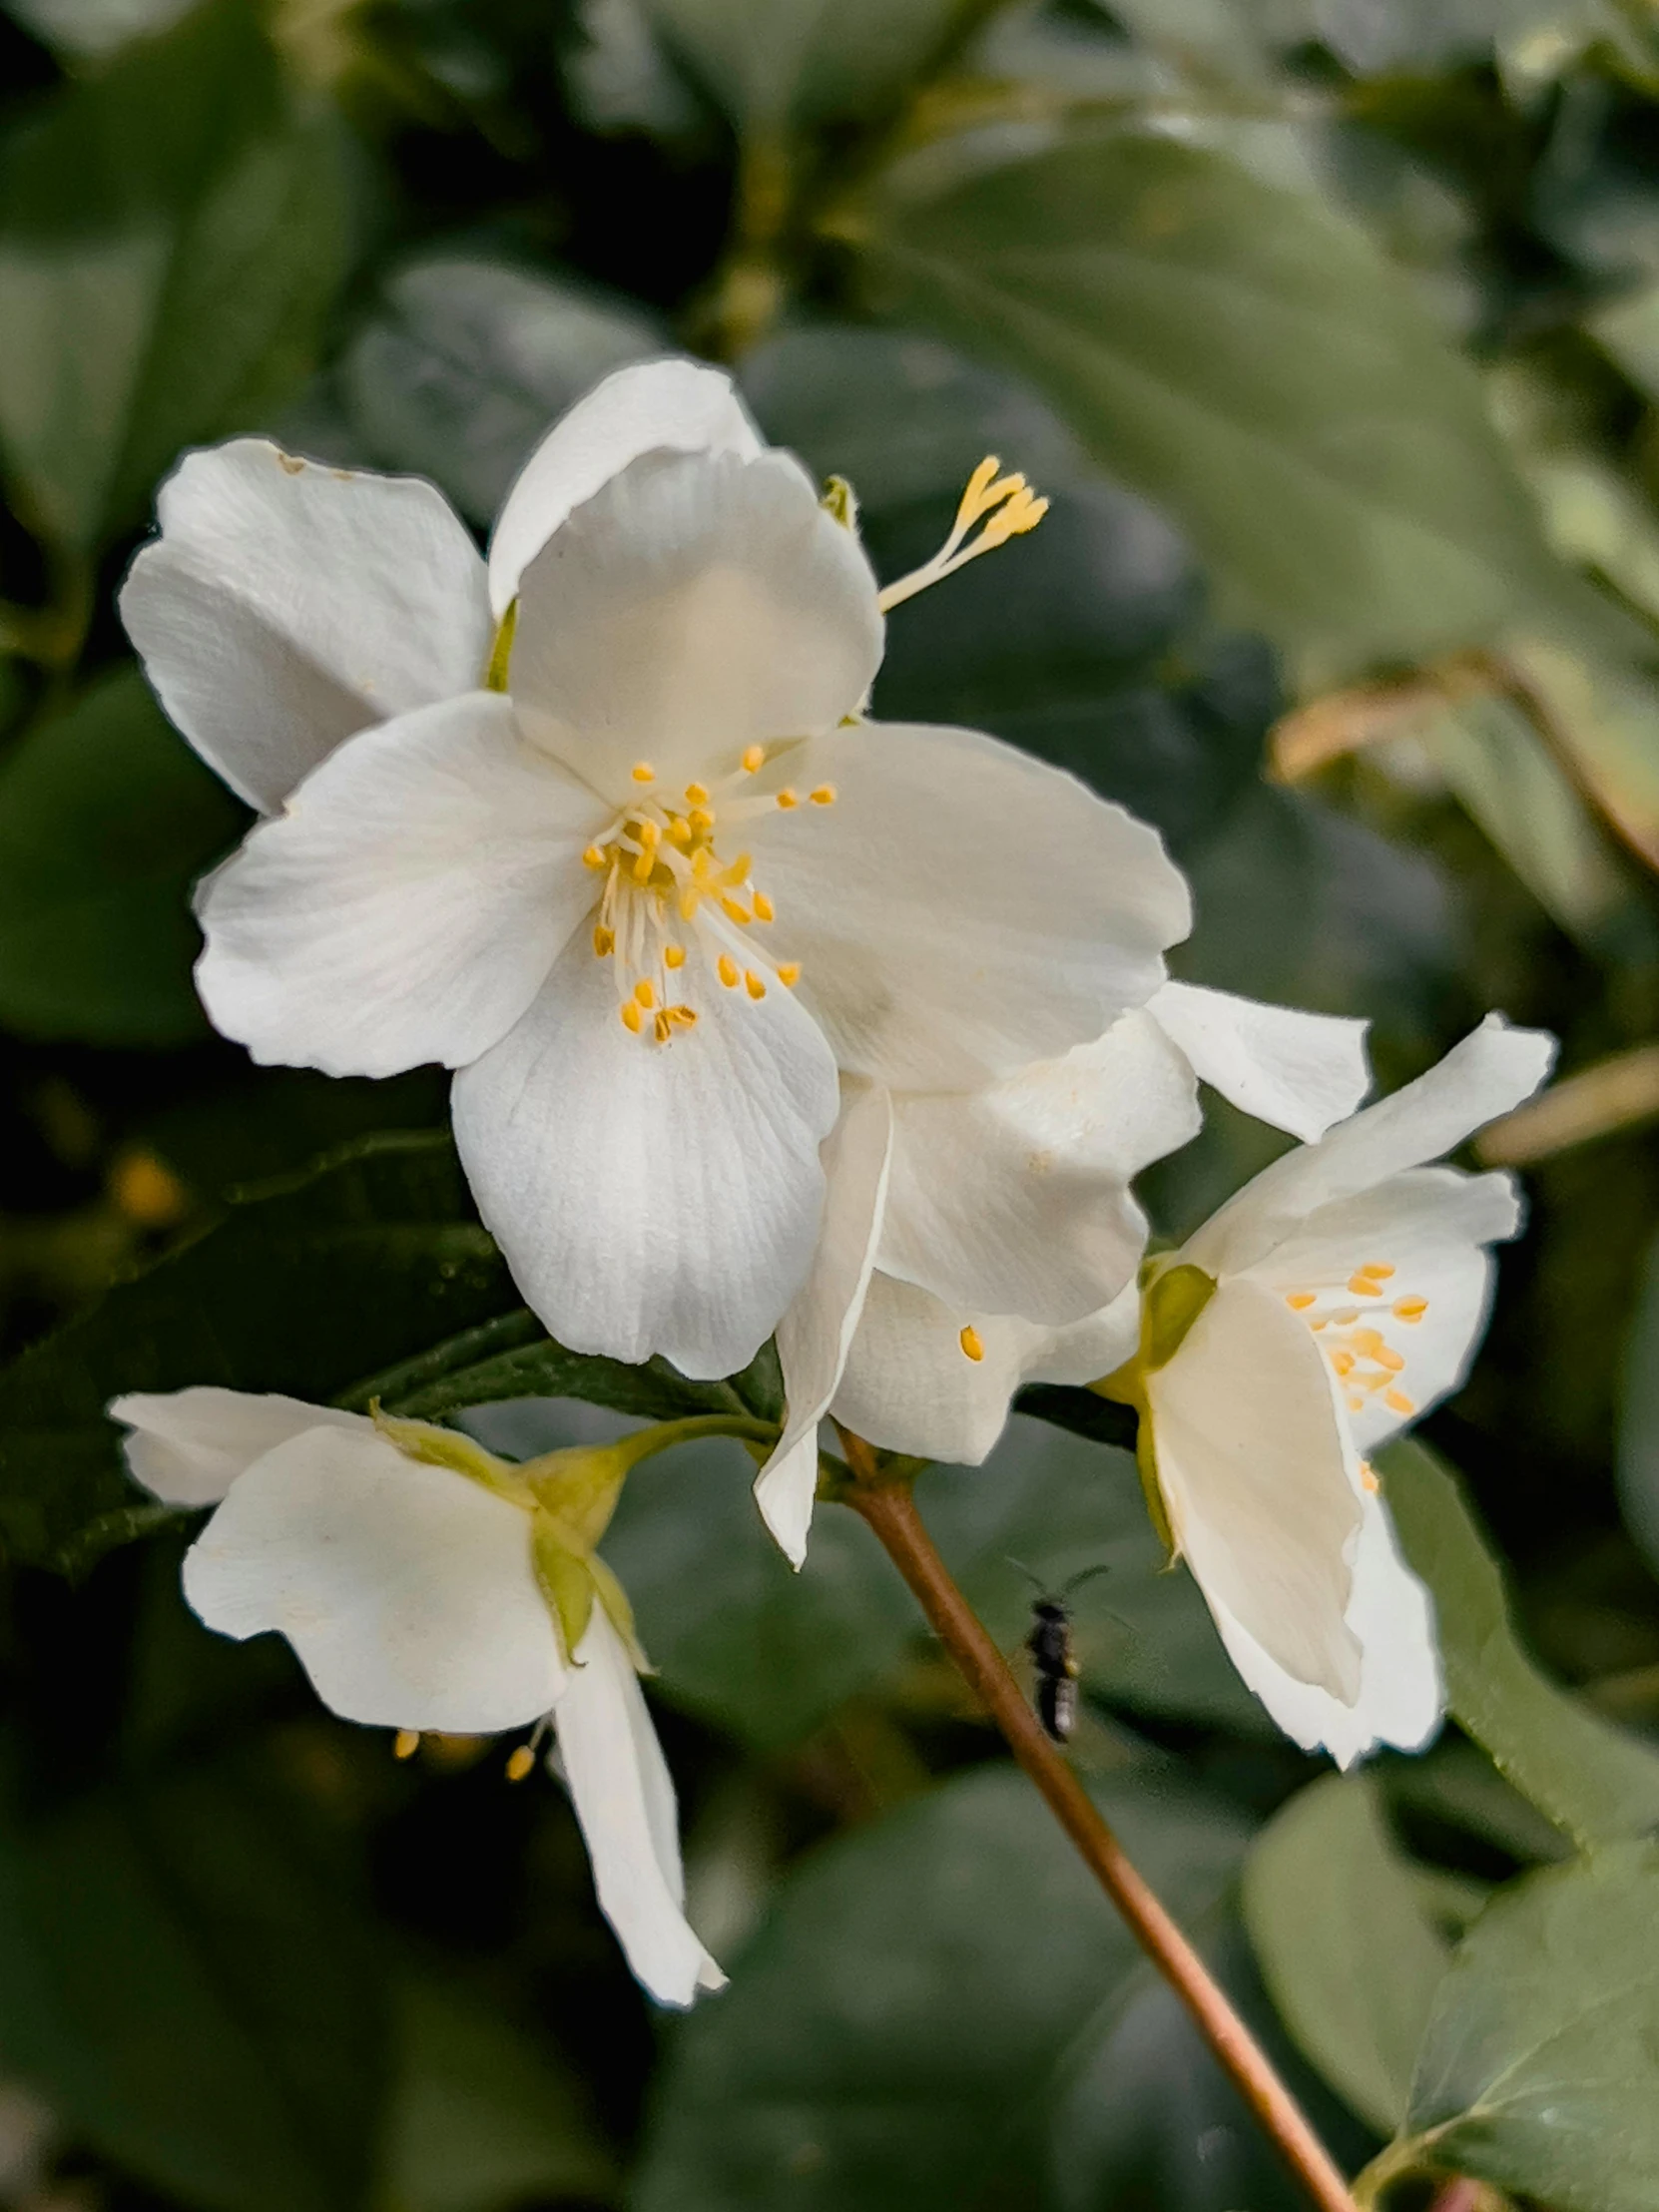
889,1509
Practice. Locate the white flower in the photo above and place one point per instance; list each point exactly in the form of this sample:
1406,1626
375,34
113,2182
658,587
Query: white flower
975,1241
600,828
425,1584
1324,1308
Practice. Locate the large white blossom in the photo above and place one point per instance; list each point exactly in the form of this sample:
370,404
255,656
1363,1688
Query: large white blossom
1321,1310
427,1585
974,1241
600,825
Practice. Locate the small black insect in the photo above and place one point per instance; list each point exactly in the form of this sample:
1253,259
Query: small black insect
1049,1644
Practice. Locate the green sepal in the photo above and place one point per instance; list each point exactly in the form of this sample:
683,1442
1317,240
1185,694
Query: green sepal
841,503
567,1582
614,1598
501,650
448,1447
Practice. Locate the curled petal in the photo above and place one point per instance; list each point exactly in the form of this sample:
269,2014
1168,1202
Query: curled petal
188,1446
1298,1071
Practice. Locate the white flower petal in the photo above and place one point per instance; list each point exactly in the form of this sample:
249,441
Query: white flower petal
674,404
188,1446
1429,1228
1490,1071
695,606
1401,1693
908,1385
1261,1482
624,1802
406,1589
652,1198
1298,1071
286,605
408,903
962,909
816,1332
1015,1199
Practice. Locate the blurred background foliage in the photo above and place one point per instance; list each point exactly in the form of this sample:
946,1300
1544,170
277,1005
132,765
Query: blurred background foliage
1332,330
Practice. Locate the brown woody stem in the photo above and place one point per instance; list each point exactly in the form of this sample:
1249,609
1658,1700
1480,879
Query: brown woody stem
887,1506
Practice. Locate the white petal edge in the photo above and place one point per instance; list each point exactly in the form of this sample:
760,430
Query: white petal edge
624,1801
1297,1071
407,1590
816,1332
410,901
652,1198
188,1446
677,404
286,605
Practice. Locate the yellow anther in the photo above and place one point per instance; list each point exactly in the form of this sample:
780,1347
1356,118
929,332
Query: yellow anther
593,856
972,1343
1322,1323
753,757
1362,1285
663,1028
1370,1477
1369,1341
645,993
688,901
1347,1317
1390,1361
683,1017
697,794
674,955
650,834
786,799
631,1016
1023,512
1355,1404
738,913
603,939
754,985
764,909
520,1763
642,772
1343,1362
1298,1300
701,821
1397,1402
974,498
789,973
644,863
737,873
679,831
1381,1269
406,1743
824,795
728,971
1410,1309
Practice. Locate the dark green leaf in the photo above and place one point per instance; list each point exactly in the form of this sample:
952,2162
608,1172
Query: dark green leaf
106,819
1344,1942
170,235
1239,355
1638,1457
182,1977
1595,1783
904,2030
1537,2069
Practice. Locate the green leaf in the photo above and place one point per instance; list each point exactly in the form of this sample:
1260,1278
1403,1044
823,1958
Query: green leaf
1537,2069
184,1977
1637,1466
1346,1950
465,363
774,66
907,2024
106,820
171,235
483,2117
1595,1783
1239,355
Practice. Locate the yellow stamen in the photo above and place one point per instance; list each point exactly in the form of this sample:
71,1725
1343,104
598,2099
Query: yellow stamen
1397,1402
1381,1269
1410,1309
972,1343
1363,1286
754,985
642,772
406,1743
631,1016
1343,1362
737,912
701,821
1388,1359
824,795
679,831
685,1017
753,757
663,1028
1298,1300
645,993
1370,1477
696,795
737,873
520,1763
786,799
764,909
674,955
603,939
728,970
1347,1317
789,973
593,858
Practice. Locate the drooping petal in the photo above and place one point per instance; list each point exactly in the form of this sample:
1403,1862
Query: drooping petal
816,1332
1015,1199
1261,1482
406,1589
1298,1071
1487,1074
1401,1693
285,606
910,1385
624,1801
410,901
1405,1336
652,1198
188,1446
960,909
695,606
676,405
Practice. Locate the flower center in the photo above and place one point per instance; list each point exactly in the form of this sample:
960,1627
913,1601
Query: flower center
1354,1319
669,892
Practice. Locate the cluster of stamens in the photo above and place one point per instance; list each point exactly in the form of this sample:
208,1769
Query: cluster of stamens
660,868
1361,1359
994,509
